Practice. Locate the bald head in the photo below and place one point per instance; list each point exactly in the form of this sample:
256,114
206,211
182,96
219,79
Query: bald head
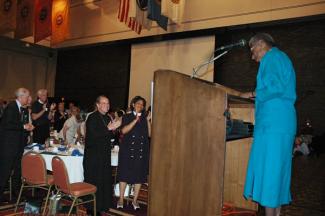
42,95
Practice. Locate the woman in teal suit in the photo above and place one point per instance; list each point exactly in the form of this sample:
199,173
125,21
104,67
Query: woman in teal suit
269,168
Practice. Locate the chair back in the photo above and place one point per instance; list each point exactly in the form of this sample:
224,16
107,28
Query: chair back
33,168
60,174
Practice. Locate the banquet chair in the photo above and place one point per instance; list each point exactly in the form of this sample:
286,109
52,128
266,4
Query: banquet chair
33,174
71,190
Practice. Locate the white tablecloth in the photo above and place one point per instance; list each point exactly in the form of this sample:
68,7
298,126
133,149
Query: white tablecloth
74,165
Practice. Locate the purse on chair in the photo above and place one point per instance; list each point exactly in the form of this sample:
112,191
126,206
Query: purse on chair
55,206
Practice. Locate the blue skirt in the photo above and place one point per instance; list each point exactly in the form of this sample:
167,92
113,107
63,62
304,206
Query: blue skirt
269,169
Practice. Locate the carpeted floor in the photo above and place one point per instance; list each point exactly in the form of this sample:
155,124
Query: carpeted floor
307,187
81,212
308,192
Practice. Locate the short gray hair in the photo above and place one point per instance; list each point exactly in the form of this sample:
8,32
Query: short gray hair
21,92
265,37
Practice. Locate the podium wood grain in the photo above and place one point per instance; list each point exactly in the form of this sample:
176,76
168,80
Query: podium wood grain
187,157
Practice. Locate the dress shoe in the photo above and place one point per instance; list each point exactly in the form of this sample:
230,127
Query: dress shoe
135,205
119,205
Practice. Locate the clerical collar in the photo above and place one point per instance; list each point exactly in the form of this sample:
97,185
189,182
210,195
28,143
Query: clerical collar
136,114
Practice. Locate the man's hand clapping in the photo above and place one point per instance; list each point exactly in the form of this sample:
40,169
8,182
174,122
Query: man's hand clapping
29,127
114,124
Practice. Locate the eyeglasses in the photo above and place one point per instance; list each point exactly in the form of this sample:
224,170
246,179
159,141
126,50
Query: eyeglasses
253,47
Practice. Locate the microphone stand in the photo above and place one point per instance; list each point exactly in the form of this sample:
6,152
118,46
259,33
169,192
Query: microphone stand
197,68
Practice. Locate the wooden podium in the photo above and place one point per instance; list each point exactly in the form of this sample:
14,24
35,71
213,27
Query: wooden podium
193,170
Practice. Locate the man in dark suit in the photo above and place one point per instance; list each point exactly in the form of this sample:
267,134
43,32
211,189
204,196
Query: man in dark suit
42,114
12,129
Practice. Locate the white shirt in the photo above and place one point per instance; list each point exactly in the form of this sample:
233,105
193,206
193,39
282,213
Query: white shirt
19,105
72,124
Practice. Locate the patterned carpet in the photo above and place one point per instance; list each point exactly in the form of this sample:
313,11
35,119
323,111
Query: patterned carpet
307,187
8,210
308,191
81,212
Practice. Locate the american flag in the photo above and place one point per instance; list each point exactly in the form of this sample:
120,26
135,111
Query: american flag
123,15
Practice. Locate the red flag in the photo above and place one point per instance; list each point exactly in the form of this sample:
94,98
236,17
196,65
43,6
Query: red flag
43,15
8,15
25,19
60,21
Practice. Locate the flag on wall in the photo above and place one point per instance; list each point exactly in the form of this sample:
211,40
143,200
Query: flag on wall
8,9
123,12
141,14
132,8
154,13
127,14
43,13
173,9
25,18
60,21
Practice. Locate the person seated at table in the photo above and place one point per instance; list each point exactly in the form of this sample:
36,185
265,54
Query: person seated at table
60,116
71,104
83,124
71,127
301,146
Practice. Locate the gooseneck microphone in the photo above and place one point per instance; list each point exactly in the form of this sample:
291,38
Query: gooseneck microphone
240,43
225,49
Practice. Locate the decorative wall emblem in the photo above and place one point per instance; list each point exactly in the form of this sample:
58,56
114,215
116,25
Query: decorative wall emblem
59,20
7,5
24,11
43,14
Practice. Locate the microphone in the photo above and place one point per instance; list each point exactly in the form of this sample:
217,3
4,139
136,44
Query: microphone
241,43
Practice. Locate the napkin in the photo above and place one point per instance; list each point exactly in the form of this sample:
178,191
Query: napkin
62,148
31,146
76,152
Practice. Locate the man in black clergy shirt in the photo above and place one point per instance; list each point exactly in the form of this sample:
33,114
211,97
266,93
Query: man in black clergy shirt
42,115
97,157
12,141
